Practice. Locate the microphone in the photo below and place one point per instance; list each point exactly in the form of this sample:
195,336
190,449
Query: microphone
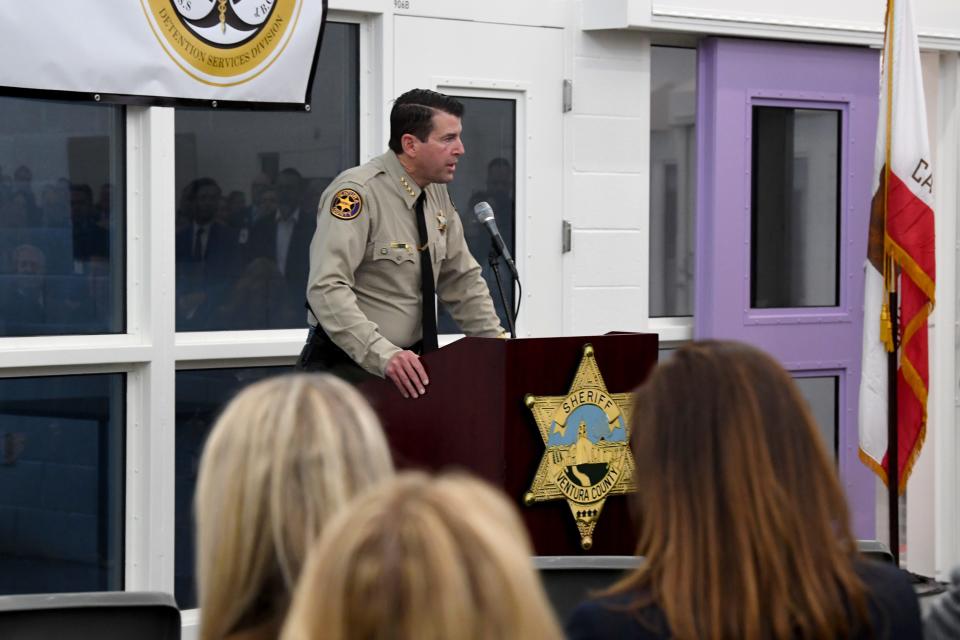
484,213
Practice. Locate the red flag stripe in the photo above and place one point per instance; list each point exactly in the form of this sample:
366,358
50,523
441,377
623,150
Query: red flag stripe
912,423
910,226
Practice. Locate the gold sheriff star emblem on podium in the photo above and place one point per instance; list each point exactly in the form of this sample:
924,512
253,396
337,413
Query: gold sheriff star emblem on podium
587,440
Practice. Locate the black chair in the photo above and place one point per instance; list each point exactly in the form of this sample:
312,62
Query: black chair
569,580
88,616
875,550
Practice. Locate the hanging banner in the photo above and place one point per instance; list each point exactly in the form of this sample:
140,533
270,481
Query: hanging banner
224,53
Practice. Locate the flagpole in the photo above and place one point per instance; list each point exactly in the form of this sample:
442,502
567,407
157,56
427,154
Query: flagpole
890,283
902,213
893,472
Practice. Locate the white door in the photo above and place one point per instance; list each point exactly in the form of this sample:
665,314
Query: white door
510,79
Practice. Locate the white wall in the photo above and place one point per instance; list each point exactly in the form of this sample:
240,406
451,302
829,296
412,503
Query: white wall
606,161
851,21
920,512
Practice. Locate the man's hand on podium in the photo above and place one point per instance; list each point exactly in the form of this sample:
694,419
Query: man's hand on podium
408,374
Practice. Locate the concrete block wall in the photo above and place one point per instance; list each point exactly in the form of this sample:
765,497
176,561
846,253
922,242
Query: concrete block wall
606,180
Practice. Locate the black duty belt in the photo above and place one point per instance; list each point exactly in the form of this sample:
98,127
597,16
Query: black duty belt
328,351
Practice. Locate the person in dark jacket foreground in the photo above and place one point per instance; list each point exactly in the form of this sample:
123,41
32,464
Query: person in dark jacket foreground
743,526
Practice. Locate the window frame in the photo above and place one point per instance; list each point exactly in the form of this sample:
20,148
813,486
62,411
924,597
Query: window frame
150,352
517,93
191,350
122,353
672,330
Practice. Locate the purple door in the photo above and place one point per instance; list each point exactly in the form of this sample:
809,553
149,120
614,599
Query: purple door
785,153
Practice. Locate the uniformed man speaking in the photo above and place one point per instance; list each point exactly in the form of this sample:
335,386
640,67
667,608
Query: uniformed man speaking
388,238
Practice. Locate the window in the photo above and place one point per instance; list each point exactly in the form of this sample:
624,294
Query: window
61,483
795,246
201,395
822,394
85,499
673,98
248,185
486,173
62,218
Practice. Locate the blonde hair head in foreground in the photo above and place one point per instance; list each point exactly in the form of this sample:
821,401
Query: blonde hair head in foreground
284,456
422,558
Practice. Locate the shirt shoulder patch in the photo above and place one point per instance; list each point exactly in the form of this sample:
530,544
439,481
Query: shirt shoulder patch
346,204
361,175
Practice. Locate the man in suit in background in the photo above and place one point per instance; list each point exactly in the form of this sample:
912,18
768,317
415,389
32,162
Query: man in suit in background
284,236
206,257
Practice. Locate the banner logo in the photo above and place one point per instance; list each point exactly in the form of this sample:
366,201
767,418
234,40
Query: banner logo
223,42
587,456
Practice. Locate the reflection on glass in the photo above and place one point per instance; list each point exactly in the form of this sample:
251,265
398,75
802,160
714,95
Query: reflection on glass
486,173
61,484
200,396
821,395
61,218
795,208
673,99
248,185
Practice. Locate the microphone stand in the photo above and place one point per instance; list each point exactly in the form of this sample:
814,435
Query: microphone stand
494,259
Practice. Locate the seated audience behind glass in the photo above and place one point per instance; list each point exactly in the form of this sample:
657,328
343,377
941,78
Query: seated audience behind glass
743,525
229,255
60,261
422,559
283,457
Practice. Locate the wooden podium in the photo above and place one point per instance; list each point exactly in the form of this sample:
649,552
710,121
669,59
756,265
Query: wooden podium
473,418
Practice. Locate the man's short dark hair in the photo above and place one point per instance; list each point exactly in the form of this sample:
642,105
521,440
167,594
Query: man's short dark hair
82,188
413,113
193,189
293,173
499,162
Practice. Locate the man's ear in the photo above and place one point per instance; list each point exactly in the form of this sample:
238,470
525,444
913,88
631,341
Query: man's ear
409,144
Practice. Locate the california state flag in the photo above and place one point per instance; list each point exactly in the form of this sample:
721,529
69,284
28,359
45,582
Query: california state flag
900,255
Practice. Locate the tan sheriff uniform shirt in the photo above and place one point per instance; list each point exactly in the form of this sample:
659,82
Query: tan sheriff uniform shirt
365,266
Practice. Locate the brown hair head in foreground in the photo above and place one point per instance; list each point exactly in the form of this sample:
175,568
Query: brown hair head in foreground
742,521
